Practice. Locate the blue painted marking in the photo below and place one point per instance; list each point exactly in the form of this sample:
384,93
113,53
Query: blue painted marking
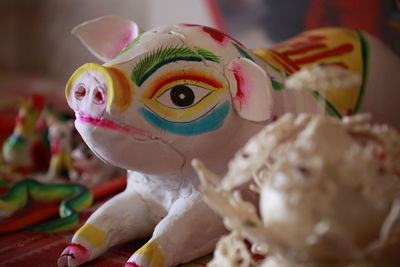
210,122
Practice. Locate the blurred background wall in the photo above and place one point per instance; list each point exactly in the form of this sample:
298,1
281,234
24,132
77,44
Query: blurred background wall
271,21
35,34
38,53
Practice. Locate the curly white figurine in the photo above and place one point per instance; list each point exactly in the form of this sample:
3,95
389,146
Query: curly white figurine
329,194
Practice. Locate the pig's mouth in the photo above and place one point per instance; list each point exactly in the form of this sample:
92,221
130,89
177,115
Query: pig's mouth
137,133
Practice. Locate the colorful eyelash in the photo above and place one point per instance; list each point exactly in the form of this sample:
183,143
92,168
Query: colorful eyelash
162,56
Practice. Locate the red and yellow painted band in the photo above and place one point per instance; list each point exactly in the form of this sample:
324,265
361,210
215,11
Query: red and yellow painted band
120,87
153,254
93,235
338,46
190,76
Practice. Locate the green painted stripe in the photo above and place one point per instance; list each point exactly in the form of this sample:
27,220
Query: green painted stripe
243,52
4,183
129,45
15,143
328,105
277,85
207,54
149,64
18,195
365,53
63,224
73,197
140,78
69,209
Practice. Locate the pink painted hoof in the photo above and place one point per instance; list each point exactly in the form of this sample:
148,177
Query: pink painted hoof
73,255
132,264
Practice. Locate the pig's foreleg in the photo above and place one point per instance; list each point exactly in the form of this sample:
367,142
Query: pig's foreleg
124,217
190,230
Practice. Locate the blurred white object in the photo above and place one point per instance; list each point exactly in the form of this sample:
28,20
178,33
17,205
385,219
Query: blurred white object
91,170
329,192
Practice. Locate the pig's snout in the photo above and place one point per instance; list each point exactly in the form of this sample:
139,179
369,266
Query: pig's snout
89,96
93,89
96,95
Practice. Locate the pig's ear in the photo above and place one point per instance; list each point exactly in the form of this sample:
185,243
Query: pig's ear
252,93
106,36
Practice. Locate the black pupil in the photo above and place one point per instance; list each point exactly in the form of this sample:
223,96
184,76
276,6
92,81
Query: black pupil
182,95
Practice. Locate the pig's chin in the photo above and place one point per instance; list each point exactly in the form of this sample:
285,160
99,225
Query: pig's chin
123,149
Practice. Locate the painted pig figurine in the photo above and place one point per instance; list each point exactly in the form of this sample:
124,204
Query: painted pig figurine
171,94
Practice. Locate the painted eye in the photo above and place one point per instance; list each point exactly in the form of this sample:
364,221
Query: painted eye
98,95
80,92
182,96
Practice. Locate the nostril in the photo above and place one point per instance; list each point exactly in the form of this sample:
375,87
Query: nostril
98,95
80,92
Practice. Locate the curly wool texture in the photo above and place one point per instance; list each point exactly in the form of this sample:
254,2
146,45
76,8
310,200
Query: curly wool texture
329,193
323,78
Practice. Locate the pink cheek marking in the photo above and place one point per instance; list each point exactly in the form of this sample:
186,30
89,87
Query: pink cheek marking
244,87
